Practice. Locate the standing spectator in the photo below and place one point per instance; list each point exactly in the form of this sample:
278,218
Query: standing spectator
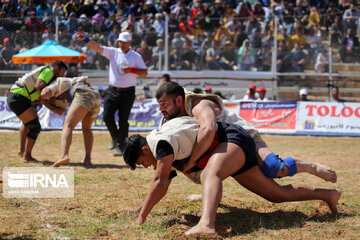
303,94
6,53
262,92
298,58
313,44
335,95
112,37
189,59
228,57
250,95
125,66
349,47
145,52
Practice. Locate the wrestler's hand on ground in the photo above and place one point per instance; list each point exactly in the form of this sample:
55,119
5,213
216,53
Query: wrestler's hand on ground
140,220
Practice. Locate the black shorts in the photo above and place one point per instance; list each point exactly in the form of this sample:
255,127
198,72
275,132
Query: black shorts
237,135
18,103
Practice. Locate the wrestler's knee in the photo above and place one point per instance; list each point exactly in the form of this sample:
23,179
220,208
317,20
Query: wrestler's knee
34,128
274,167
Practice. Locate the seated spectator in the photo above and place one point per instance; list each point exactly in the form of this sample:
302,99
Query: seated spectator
301,13
298,58
42,9
331,13
113,36
215,11
222,35
322,61
289,19
174,59
229,13
165,78
9,7
173,25
250,95
6,53
102,92
71,6
72,23
213,56
122,9
186,26
255,40
196,43
34,24
149,8
243,10
299,38
84,23
164,7
335,95
159,25
198,29
158,55
258,12
144,25
239,37
47,21
145,52
251,24
188,59
262,92
349,47
110,6
314,18
97,23
266,57
177,41
64,37
337,32
110,23
228,57
198,12
100,9
91,56
303,94
29,9
351,17
151,37
57,9
23,36
247,57
233,24
145,94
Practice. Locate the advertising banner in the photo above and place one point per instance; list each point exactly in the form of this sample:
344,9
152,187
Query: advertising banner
274,116
329,118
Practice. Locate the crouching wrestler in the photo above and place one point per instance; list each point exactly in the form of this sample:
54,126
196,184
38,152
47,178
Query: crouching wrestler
232,153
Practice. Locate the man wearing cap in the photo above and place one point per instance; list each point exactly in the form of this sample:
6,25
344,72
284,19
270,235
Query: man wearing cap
125,66
6,54
208,90
262,92
21,100
250,95
303,94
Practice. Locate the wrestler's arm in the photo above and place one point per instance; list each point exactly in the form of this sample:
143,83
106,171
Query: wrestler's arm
205,111
54,108
158,187
46,93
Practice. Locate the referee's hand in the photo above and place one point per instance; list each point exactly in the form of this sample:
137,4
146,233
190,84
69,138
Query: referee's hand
80,36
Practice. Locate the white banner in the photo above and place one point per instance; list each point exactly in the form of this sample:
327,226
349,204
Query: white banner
328,118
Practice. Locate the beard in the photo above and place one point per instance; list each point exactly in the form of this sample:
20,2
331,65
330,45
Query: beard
171,115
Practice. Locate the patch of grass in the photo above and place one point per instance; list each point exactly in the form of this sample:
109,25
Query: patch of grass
104,191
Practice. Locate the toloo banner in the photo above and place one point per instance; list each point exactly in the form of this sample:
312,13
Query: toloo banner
329,118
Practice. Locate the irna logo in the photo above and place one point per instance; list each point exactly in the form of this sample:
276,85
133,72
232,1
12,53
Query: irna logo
36,180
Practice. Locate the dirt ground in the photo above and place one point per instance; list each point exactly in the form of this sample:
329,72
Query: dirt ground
103,191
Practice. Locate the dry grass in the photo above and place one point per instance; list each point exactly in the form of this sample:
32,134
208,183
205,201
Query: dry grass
102,193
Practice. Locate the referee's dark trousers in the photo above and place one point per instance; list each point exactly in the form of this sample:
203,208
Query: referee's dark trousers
120,99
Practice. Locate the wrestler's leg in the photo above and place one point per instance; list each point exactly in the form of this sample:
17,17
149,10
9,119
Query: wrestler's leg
321,171
22,134
255,181
73,117
225,161
86,124
27,116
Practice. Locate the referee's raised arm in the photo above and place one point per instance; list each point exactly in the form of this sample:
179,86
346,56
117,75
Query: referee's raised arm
90,43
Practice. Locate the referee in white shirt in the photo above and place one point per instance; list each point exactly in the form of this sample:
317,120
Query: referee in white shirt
125,66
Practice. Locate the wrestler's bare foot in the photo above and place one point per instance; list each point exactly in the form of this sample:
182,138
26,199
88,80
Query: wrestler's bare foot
333,200
62,161
193,197
87,162
21,154
200,230
324,172
29,159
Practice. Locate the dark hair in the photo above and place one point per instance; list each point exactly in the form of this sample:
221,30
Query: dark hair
60,64
171,89
197,90
132,150
166,76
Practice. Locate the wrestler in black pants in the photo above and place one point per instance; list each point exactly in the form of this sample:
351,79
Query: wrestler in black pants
120,99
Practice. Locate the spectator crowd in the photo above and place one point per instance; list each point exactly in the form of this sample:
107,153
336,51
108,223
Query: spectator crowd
202,34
